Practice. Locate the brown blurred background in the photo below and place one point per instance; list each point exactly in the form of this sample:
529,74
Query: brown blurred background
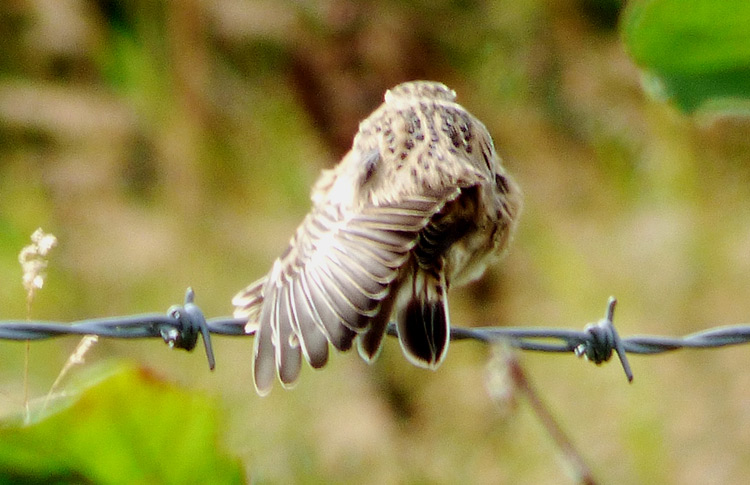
173,143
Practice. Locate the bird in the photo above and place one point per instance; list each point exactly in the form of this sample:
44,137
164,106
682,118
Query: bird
421,203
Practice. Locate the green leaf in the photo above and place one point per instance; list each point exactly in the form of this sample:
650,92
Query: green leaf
694,52
129,428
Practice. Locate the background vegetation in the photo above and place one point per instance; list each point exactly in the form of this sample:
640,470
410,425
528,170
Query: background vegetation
173,143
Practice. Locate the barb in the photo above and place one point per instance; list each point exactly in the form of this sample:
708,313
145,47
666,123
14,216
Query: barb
181,326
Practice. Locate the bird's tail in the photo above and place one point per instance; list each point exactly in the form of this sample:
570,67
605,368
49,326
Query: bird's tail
423,320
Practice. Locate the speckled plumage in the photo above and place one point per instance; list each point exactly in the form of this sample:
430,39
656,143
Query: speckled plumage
419,204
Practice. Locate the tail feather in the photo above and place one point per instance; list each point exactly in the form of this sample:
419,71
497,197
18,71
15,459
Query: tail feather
423,321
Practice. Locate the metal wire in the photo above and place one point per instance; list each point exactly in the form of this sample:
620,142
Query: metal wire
182,324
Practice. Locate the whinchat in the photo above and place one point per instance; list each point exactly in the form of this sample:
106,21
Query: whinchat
420,203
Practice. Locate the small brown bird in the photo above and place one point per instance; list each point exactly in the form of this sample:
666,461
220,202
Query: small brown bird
419,204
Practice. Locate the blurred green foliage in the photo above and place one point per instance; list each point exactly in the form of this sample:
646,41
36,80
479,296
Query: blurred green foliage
171,144
695,52
130,427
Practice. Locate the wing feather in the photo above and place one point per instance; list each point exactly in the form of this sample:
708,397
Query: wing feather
264,354
377,252
309,327
336,299
288,354
249,302
371,276
332,284
395,241
355,297
338,334
365,287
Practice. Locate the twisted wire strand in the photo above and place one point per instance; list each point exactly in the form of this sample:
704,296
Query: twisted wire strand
182,325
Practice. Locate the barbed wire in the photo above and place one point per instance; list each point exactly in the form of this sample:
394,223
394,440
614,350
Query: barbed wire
181,326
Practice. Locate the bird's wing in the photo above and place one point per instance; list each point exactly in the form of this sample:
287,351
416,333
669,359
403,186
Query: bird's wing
330,282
